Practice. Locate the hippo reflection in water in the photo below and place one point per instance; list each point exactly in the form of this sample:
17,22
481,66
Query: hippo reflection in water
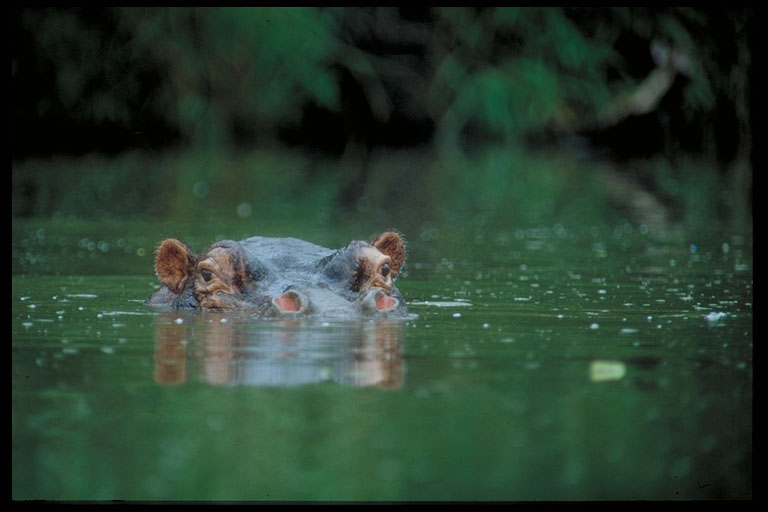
283,276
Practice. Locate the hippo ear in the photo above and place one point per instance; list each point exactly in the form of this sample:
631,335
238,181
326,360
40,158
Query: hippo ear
173,264
391,244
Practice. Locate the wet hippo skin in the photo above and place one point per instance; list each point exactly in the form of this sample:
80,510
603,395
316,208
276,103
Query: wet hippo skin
282,276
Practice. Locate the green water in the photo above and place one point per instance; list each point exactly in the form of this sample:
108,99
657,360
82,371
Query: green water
542,363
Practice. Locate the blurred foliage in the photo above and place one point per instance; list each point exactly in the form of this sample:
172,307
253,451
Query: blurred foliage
237,76
237,69
511,71
206,72
224,111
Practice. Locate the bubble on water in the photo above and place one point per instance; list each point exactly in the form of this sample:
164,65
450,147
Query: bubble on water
108,350
628,330
116,313
179,320
486,325
714,317
442,304
223,320
456,315
603,370
594,325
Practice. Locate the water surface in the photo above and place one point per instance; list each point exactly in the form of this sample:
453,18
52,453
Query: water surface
542,363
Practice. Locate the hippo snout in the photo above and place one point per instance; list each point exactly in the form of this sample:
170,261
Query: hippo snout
292,302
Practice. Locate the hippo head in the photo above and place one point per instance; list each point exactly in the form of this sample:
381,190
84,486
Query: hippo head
282,276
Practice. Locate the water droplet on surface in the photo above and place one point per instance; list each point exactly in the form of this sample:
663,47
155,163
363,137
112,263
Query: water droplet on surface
714,317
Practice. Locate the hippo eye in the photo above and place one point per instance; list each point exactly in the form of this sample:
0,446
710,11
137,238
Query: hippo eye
384,270
207,274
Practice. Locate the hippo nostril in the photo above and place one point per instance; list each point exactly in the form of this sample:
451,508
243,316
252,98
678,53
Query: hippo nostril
384,302
288,301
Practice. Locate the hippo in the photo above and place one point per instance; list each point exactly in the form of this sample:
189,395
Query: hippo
282,277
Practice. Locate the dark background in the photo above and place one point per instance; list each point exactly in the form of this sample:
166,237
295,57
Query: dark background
341,83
